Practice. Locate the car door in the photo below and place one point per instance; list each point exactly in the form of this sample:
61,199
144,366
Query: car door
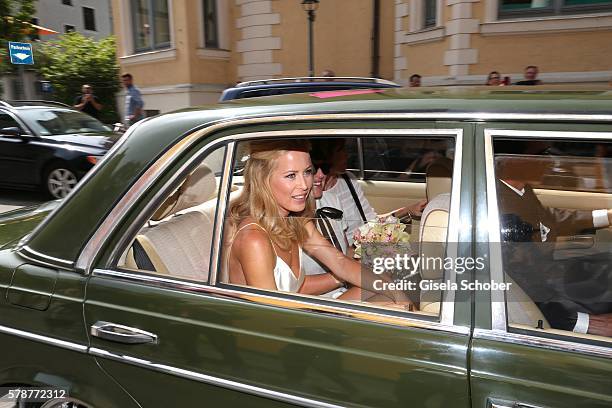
521,354
16,155
174,334
42,334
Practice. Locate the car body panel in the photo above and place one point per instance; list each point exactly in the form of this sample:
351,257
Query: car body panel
305,354
299,345
519,368
46,346
538,377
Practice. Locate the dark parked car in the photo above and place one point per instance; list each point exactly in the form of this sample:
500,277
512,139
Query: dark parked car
119,295
282,86
49,145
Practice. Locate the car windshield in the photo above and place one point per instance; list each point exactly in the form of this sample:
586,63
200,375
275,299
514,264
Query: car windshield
46,122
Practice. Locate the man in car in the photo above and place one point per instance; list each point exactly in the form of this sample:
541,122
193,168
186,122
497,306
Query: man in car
574,293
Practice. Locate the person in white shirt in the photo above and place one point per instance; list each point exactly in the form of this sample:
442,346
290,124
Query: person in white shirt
331,189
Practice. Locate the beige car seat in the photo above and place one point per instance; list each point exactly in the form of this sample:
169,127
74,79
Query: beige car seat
180,243
432,245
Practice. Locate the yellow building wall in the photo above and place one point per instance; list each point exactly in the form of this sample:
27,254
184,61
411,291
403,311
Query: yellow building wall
559,52
426,59
187,67
342,42
387,39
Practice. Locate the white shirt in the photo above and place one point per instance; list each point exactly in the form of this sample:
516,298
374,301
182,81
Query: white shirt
339,197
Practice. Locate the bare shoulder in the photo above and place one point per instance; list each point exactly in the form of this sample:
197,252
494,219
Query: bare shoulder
252,241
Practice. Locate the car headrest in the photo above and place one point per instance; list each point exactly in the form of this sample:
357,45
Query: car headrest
438,177
198,187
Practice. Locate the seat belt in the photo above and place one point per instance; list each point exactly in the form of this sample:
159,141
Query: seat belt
323,216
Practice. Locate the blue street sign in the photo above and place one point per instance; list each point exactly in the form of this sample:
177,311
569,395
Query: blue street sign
21,53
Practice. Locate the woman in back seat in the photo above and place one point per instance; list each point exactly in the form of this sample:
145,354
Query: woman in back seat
271,223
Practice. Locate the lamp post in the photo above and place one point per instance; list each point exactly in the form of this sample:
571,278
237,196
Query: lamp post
310,6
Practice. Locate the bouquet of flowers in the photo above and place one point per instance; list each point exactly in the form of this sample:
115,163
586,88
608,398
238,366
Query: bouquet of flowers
383,231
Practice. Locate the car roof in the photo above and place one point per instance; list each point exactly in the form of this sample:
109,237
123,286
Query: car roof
315,80
33,104
301,84
511,99
150,138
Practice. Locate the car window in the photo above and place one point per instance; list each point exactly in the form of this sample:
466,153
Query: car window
282,188
554,199
7,120
387,159
48,122
176,240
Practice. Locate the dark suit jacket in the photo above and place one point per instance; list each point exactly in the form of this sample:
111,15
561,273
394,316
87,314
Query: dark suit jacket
560,288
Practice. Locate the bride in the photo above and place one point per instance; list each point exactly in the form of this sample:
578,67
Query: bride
270,225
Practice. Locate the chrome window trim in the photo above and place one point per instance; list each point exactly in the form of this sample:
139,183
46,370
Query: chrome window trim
498,298
212,380
499,328
43,339
377,315
447,314
53,260
543,342
224,191
153,173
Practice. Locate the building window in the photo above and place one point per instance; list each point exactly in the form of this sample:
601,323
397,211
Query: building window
522,8
151,22
430,11
67,2
211,24
69,28
89,18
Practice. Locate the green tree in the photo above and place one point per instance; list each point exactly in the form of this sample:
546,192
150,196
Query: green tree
73,60
15,17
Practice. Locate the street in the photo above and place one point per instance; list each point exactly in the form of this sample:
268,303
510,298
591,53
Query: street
12,199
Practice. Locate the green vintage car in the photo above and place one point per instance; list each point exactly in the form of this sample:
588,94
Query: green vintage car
118,295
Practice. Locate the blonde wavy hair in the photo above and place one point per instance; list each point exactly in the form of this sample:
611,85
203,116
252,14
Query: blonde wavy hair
257,201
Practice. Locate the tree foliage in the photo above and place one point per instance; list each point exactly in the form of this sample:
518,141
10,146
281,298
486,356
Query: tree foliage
15,17
73,60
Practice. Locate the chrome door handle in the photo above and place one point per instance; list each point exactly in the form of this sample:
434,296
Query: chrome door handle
495,403
122,334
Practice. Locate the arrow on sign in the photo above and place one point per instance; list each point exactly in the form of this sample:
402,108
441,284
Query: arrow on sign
21,55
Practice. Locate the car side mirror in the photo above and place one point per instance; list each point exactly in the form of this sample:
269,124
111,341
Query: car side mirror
12,131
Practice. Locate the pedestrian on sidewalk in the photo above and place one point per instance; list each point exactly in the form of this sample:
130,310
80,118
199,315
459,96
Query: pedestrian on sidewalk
133,101
88,102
